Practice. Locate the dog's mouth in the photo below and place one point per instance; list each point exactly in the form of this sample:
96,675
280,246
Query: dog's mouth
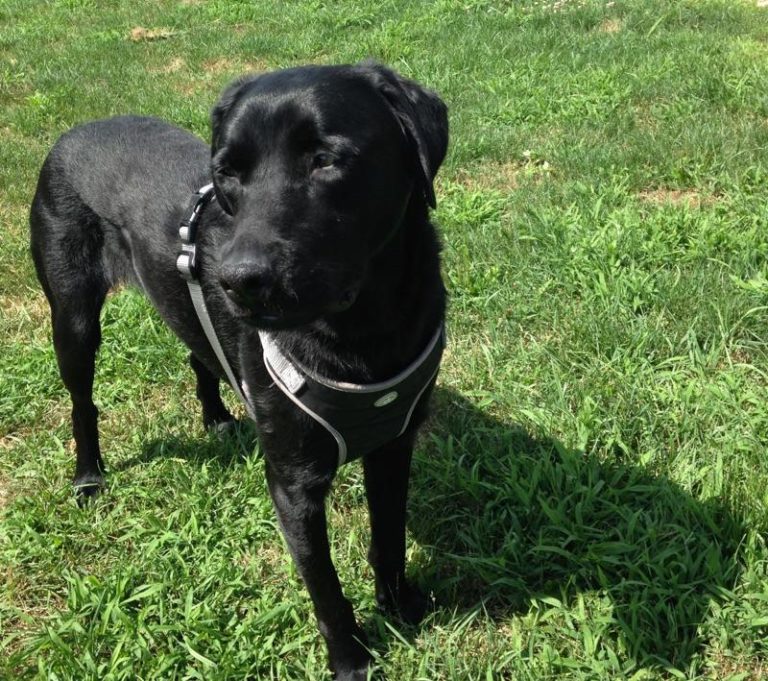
279,317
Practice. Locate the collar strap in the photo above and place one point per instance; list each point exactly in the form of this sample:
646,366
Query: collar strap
294,375
186,262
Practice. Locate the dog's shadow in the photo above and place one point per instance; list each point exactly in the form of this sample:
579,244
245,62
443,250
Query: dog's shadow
504,519
226,448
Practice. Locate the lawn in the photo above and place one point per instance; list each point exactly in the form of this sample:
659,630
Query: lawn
590,500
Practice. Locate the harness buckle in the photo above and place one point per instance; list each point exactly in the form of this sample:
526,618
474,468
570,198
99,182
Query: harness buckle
186,262
188,226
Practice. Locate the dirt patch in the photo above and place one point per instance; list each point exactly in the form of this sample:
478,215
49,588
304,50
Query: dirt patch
611,26
173,66
141,34
689,198
215,67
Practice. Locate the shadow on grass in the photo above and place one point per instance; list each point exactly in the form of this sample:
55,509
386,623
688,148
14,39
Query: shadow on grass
506,518
227,448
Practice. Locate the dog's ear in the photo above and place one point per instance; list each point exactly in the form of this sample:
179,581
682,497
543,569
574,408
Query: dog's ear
219,115
423,118
222,108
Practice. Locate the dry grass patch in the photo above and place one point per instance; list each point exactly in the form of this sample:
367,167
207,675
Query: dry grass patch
207,80
55,414
503,176
740,668
33,309
14,214
192,88
221,65
269,563
12,135
5,483
33,611
173,66
25,319
645,118
688,198
611,26
141,34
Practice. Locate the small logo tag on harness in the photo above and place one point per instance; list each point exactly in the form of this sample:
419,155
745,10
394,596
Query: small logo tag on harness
384,400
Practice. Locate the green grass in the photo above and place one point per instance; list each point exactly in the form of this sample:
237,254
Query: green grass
590,500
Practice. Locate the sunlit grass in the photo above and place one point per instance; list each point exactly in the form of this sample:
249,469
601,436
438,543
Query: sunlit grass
590,499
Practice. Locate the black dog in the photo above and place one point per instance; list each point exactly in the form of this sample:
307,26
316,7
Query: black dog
319,235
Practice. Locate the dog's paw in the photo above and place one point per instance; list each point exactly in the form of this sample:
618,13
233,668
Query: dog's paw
359,674
359,670
88,487
350,660
410,604
413,605
225,428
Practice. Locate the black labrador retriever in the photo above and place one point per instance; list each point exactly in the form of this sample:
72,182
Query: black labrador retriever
318,239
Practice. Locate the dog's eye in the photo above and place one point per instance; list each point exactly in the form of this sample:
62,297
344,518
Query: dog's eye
228,171
323,161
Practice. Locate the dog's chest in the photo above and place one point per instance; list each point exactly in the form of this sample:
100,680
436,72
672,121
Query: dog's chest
361,418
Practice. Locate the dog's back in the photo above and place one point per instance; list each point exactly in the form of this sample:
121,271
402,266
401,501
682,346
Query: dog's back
94,192
106,211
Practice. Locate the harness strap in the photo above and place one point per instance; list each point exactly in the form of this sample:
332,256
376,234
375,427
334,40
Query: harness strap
196,293
311,392
290,388
186,263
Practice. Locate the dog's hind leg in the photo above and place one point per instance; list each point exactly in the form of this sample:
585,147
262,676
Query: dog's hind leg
76,338
215,414
68,259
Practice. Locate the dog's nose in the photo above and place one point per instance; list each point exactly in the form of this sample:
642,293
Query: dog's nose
245,280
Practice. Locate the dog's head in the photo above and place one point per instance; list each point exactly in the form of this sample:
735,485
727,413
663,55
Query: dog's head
317,165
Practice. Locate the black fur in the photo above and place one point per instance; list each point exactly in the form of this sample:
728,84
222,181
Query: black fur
323,176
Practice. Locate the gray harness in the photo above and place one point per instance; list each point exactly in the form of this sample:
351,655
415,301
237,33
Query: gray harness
360,418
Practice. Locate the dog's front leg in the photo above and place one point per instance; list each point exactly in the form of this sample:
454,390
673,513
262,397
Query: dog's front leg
387,471
298,496
215,414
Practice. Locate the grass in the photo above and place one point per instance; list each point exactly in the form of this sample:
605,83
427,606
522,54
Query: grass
590,499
